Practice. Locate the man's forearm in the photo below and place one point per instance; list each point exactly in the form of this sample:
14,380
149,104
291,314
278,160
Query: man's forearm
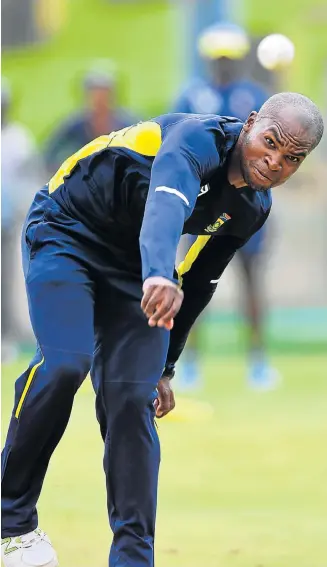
161,229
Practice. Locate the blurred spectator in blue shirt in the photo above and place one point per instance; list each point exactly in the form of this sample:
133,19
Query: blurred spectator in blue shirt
101,115
225,91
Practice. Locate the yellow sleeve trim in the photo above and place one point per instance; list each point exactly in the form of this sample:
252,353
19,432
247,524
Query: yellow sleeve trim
143,138
27,387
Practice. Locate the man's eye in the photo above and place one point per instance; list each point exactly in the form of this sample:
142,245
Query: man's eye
293,159
270,142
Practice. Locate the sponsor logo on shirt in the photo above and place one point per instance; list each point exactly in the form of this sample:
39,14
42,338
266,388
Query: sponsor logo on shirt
219,222
204,189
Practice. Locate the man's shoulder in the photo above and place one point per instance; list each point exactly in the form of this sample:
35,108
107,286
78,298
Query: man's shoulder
196,122
206,137
196,133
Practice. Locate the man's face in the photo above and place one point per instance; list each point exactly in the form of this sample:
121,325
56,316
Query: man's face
273,149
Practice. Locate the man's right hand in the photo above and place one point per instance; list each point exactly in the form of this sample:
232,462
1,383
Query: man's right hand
162,299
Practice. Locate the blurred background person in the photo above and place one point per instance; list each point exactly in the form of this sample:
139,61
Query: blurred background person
227,90
22,172
100,115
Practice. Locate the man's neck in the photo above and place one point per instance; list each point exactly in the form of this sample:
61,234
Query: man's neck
234,173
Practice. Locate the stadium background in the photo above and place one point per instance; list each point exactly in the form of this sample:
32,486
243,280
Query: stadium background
243,476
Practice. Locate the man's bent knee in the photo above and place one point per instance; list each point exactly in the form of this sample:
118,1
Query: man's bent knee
66,369
127,397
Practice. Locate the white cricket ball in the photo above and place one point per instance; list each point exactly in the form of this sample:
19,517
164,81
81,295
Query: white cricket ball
275,51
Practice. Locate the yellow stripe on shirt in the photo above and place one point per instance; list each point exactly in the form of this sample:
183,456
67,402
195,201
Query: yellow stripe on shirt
143,138
191,256
27,387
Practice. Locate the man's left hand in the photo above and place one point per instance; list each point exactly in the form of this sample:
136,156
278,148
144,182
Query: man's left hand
165,402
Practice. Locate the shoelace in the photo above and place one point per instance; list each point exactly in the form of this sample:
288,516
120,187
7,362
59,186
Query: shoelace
29,542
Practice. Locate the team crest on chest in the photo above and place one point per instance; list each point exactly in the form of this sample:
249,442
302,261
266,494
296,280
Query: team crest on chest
219,222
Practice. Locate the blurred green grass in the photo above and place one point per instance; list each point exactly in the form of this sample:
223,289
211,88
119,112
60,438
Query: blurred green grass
145,39
46,77
242,487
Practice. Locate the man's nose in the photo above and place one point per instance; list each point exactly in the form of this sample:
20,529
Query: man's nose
274,161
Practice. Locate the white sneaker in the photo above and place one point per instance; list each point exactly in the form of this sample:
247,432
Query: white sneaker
29,550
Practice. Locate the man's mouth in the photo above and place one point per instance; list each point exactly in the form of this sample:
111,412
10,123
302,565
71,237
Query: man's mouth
261,175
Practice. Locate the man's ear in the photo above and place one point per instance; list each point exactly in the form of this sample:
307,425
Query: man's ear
250,121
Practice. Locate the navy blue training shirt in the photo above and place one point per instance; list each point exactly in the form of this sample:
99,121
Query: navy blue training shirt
145,185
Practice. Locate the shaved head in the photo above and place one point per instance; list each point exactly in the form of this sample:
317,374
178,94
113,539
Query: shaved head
295,107
274,142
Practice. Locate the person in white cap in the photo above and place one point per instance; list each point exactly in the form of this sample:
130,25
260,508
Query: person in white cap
226,91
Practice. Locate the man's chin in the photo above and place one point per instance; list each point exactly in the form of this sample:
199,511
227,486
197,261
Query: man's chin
253,183
259,188
251,179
